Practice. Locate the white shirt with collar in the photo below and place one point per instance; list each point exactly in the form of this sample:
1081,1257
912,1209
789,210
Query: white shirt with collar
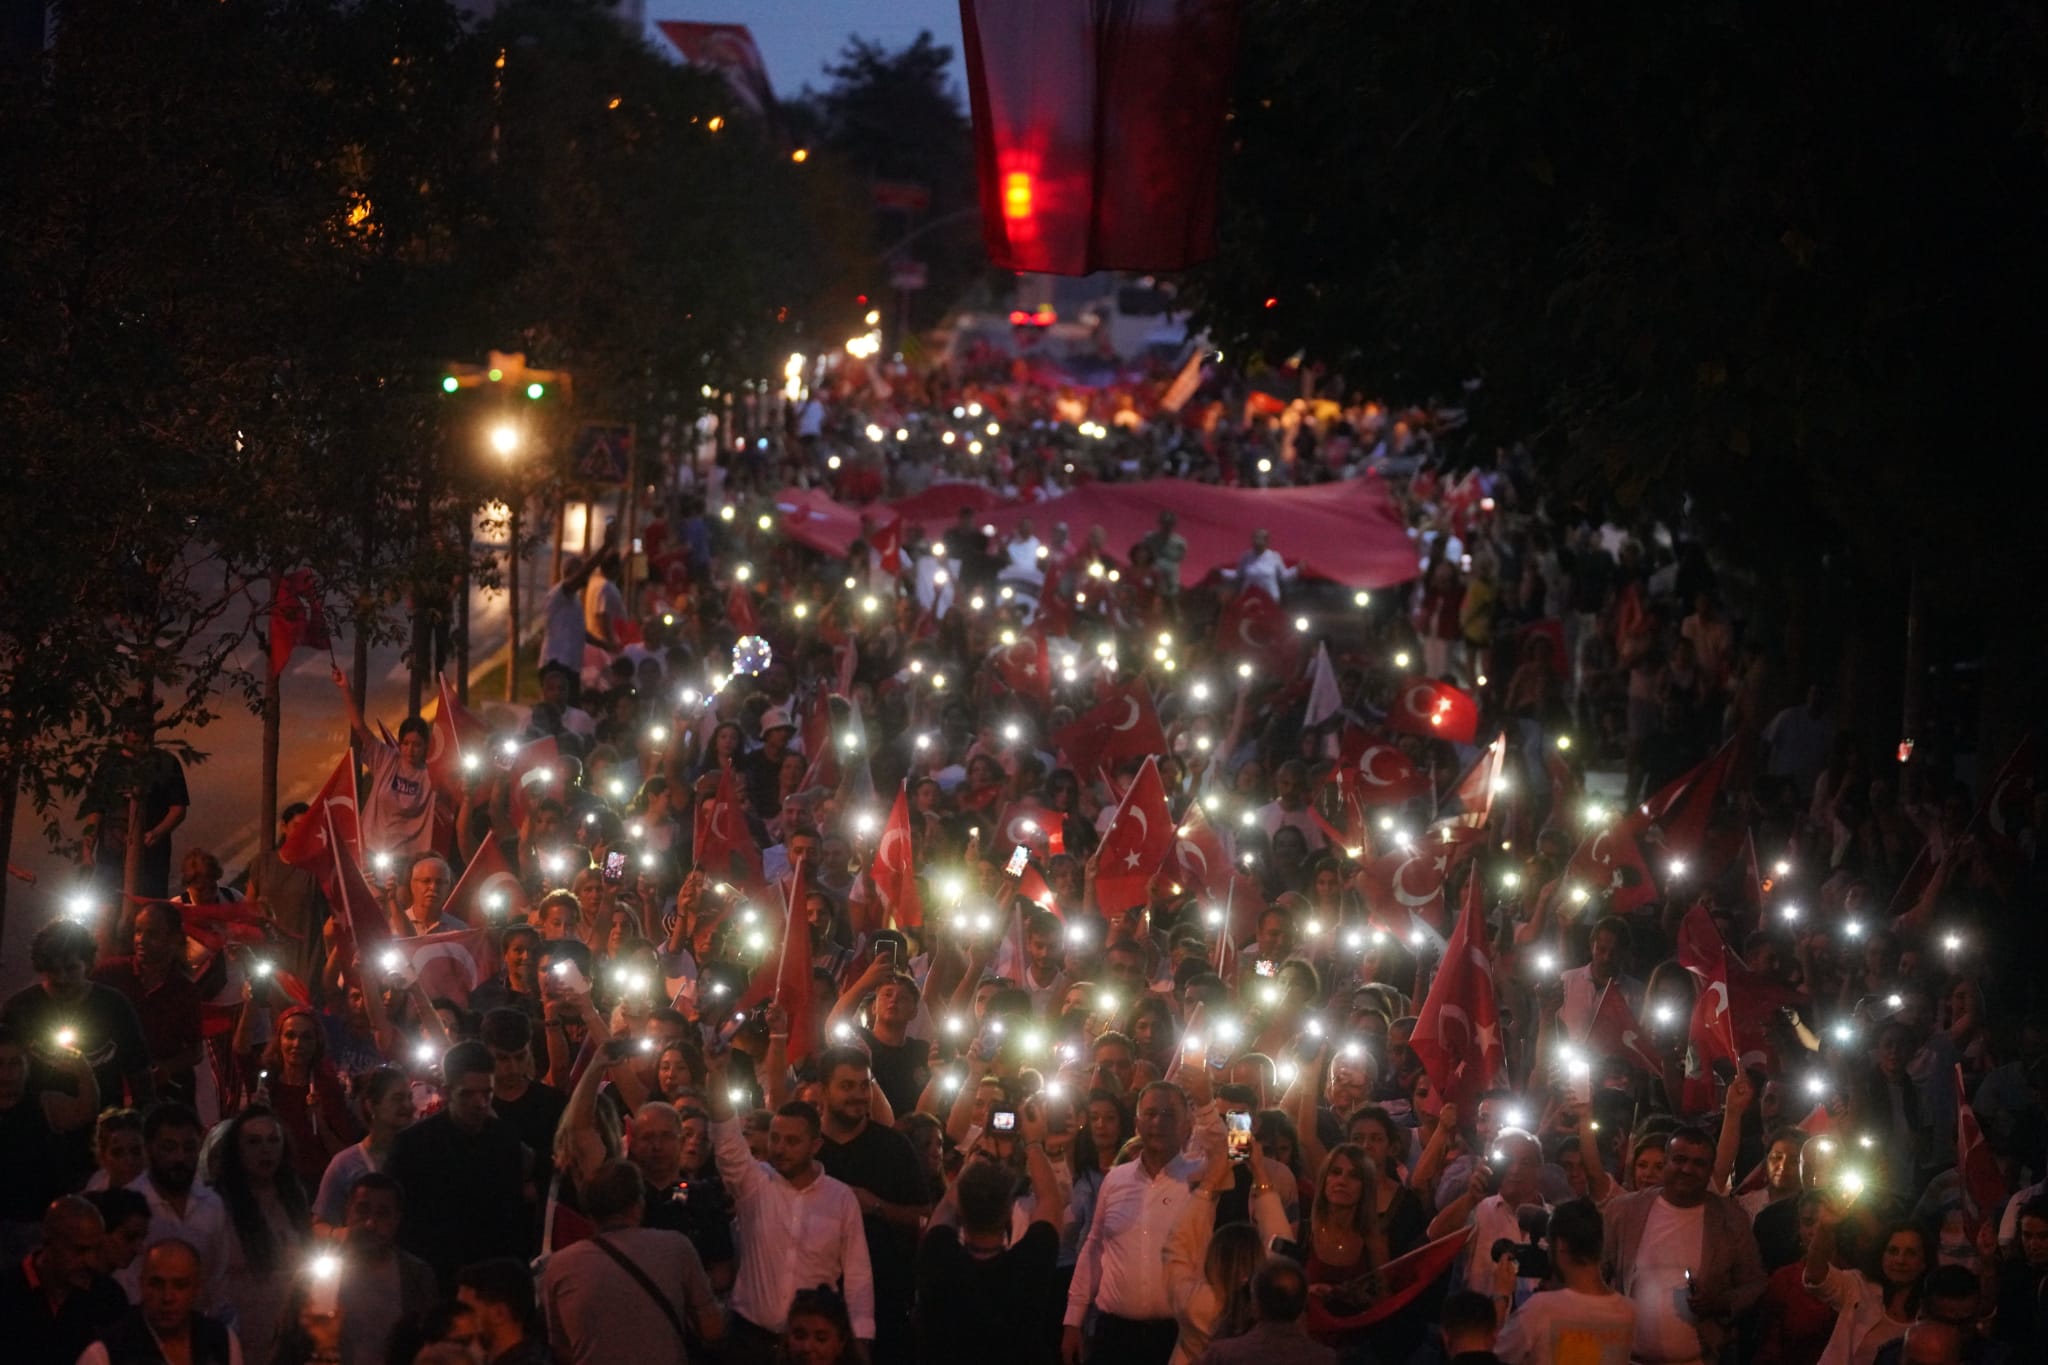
1122,1269
203,1224
792,1238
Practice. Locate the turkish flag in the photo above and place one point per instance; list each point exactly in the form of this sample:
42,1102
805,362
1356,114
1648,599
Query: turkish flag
450,964
332,815
1713,1023
1752,996
1121,726
739,610
1025,667
1982,1182
1457,1030
787,979
1252,626
887,543
1135,844
1403,886
1477,787
1611,860
1025,822
725,848
1616,1032
1681,809
361,914
1435,710
894,869
1402,1281
457,733
298,619
1384,776
489,892
1199,860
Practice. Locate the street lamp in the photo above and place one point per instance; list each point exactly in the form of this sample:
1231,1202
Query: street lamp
505,439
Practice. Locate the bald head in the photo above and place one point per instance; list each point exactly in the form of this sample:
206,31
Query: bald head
170,1287
72,1233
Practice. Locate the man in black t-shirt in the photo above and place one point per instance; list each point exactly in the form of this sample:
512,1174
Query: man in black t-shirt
133,767
532,1107
902,1064
464,1175
979,1296
66,1009
883,1170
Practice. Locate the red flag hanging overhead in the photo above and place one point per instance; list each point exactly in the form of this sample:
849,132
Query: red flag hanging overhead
1457,1030
298,619
1098,130
1122,726
1200,862
1135,844
489,892
894,870
1435,710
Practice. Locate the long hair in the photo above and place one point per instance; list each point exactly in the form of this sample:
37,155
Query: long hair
1234,1254
1363,1221
1874,1261
1082,1149
245,1209
273,1054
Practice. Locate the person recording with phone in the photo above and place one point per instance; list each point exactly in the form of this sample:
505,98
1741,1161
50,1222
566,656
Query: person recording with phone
1209,1258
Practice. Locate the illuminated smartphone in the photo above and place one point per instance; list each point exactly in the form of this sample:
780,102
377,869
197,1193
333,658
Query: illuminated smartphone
615,867
1237,1131
1002,1120
1020,857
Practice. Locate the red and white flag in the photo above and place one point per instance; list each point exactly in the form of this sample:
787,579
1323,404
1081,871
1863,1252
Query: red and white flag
1383,776
298,619
1457,1030
1435,710
1135,844
724,845
1983,1183
1025,667
333,816
1123,725
1405,886
787,979
894,869
1616,1032
1199,860
489,892
457,741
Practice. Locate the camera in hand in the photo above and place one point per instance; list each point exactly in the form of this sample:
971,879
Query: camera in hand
1532,1261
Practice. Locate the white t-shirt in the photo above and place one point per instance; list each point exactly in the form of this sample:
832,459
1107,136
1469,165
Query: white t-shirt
398,814
1673,1242
1566,1327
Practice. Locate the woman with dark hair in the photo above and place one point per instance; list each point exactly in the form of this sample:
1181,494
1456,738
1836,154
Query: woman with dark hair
819,1331
384,1099
1106,1125
728,741
1152,1030
1871,1309
1403,1220
269,1222
305,1094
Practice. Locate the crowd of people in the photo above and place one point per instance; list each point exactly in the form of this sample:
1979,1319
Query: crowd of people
826,992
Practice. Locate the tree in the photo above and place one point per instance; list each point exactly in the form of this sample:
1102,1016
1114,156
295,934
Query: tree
895,119
1776,260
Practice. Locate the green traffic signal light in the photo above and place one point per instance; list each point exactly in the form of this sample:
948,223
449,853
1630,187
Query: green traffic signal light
449,383
535,390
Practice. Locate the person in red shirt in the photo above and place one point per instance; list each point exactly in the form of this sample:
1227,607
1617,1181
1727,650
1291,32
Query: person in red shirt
165,999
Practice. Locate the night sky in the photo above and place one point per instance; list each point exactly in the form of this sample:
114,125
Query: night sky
797,37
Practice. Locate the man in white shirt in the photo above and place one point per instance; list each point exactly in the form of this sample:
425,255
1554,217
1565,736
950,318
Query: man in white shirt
180,1207
1582,1319
936,577
1582,985
798,1227
1289,805
1493,1216
1122,1268
1685,1256
1263,568
1023,556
